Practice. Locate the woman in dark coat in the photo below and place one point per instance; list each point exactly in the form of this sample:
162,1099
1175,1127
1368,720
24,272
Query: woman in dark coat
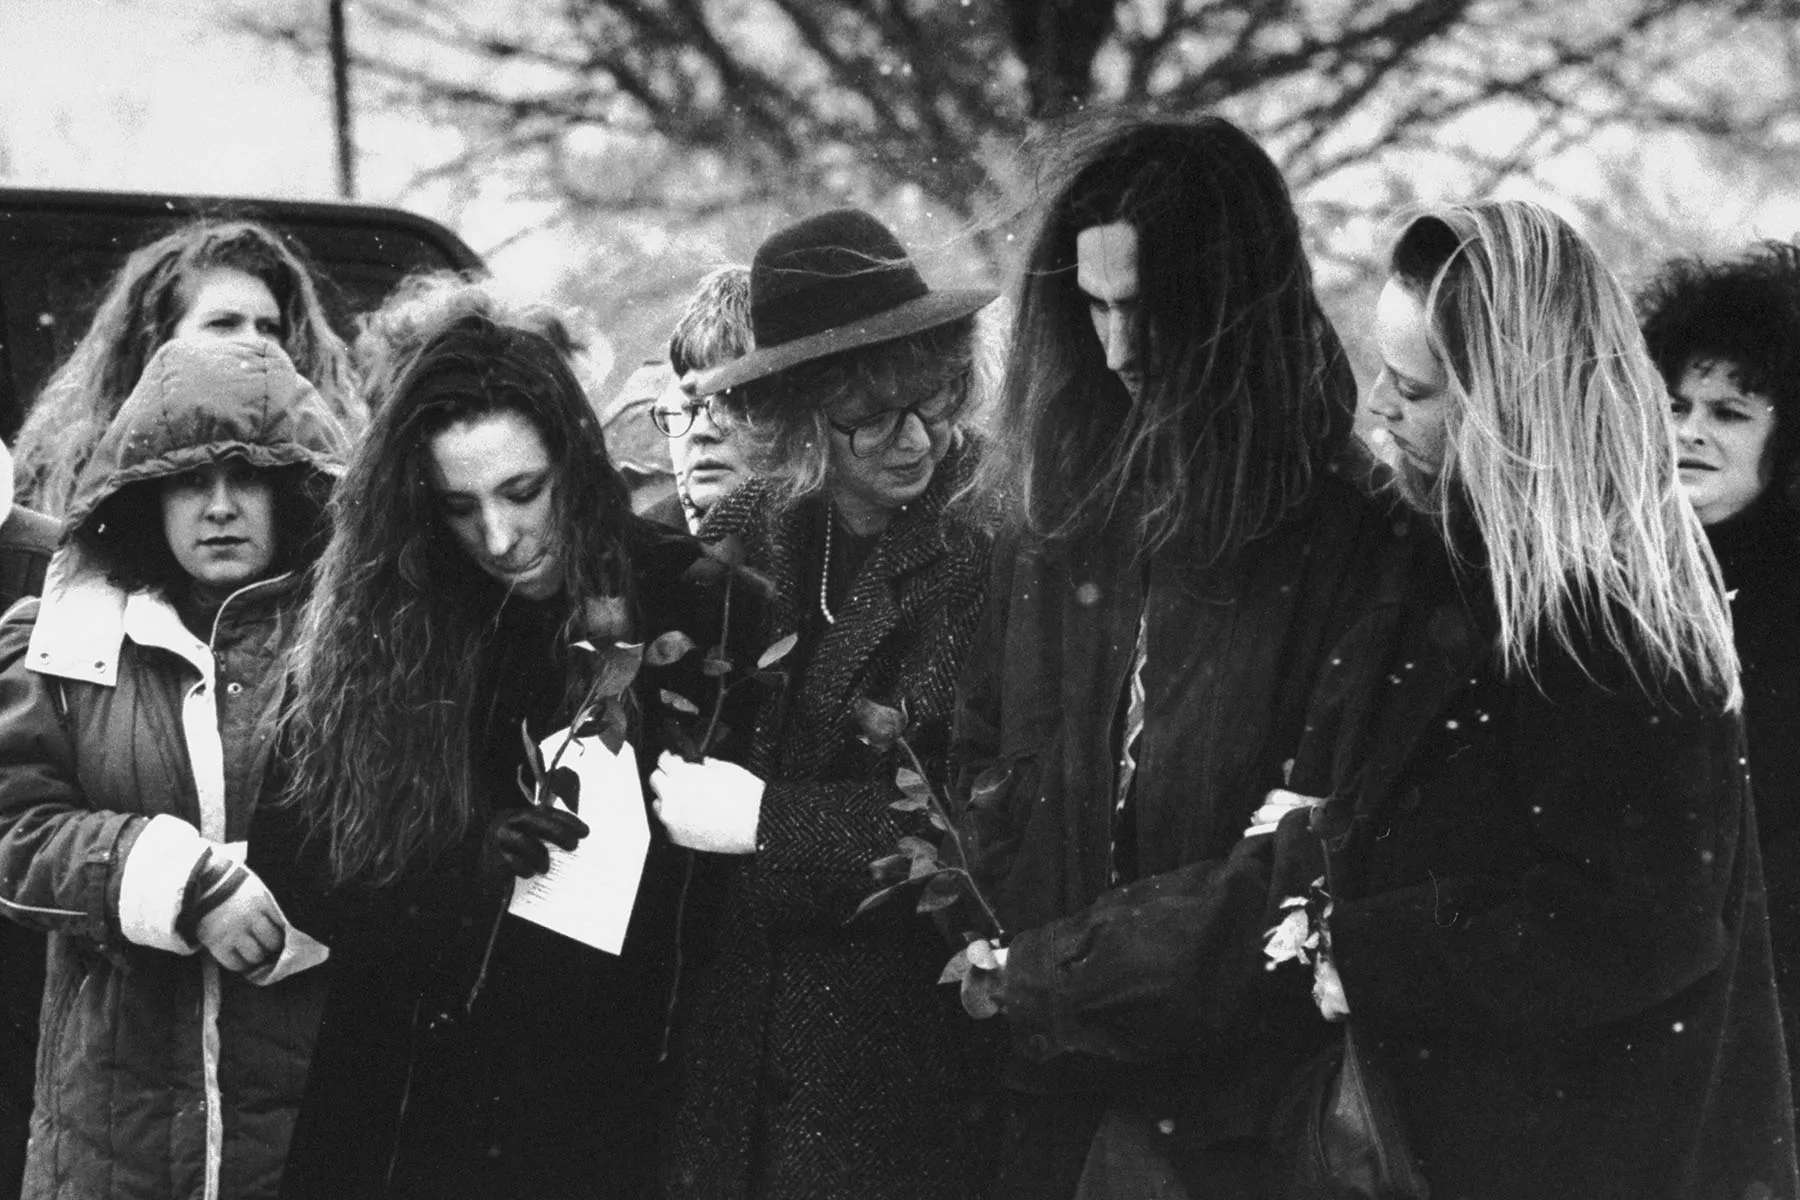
482,537
1548,922
1726,336
136,701
822,1058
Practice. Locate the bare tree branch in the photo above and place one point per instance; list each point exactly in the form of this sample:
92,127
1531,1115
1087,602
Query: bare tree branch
689,107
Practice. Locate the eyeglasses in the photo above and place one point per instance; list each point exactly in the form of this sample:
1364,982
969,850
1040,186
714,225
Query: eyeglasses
871,435
673,421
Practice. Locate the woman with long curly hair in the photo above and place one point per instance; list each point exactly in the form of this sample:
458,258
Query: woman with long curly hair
482,535
232,279
1548,922
1726,336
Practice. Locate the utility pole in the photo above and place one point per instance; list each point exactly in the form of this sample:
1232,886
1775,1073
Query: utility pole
340,101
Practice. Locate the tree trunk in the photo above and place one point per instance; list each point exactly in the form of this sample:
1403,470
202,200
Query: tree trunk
1057,41
340,102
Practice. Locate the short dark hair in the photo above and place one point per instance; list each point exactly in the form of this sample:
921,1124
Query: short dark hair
1743,313
126,531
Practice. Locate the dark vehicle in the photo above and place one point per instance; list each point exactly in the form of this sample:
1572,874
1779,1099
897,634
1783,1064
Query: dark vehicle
58,250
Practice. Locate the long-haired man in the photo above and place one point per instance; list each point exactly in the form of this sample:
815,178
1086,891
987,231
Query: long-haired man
1189,600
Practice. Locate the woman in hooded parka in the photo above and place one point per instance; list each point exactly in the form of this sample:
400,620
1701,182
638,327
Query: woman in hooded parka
135,705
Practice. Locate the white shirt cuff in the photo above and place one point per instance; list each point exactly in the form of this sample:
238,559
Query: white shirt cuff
155,880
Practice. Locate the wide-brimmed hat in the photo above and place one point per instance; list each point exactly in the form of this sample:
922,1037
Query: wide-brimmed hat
833,282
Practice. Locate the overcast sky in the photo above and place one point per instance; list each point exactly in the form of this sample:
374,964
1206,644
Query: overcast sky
151,95
158,95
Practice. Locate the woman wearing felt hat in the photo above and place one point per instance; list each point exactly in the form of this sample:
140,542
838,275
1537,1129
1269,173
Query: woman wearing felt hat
820,1056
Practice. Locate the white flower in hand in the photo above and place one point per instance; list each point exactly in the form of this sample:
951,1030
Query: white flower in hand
1299,934
1291,940
980,967
1304,936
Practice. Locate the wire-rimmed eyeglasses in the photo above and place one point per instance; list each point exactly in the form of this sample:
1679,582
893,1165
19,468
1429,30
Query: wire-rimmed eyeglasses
871,435
674,420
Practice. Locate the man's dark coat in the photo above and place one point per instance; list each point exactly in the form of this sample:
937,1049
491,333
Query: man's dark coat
1147,996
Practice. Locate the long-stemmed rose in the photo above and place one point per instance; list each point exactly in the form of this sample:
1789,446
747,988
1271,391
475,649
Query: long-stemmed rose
724,559
941,868
604,710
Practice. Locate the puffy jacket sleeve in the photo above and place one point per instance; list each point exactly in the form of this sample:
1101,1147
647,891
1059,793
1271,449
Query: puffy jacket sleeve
66,866
1635,820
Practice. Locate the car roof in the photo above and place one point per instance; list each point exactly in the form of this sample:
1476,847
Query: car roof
60,248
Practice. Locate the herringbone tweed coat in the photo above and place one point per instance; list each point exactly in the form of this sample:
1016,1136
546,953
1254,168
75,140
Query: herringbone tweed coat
821,1057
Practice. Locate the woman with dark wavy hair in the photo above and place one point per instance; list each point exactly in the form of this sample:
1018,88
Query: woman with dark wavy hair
232,279
481,533
1725,335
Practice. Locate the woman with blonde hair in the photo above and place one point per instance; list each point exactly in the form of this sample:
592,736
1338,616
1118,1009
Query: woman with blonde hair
821,1058
1547,920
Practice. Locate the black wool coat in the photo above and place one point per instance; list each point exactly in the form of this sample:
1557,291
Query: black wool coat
550,1084
1759,552
1145,994
1550,924
822,1057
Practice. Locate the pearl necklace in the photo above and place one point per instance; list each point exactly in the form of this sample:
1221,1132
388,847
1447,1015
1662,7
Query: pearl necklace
825,566
825,571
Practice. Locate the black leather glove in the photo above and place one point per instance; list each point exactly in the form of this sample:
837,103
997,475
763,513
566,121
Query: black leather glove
214,880
516,839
